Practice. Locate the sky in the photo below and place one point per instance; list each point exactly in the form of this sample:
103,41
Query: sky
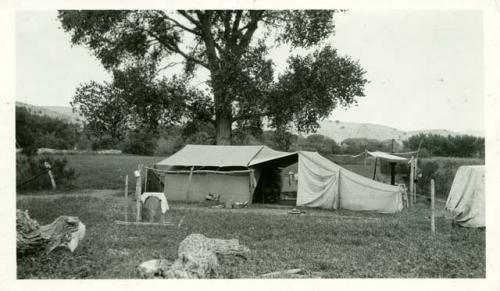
425,67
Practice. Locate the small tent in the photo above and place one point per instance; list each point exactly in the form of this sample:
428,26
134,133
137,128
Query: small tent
466,199
324,184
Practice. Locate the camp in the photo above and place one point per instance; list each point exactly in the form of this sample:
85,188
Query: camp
466,199
236,173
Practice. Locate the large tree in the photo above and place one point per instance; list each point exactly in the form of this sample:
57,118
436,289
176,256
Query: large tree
242,81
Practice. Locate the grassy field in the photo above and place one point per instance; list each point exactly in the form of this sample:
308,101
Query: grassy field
105,171
329,244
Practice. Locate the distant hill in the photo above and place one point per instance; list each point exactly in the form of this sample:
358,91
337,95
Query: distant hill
61,112
339,131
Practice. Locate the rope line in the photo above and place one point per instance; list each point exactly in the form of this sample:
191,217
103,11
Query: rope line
30,179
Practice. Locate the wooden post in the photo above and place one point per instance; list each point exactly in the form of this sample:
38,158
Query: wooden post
126,198
52,181
393,166
412,177
189,184
375,168
146,180
415,171
138,185
393,173
433,222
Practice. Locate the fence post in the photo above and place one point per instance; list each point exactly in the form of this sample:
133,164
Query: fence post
412,183
415,174
138,185
433,222
52,181
126,198
188,190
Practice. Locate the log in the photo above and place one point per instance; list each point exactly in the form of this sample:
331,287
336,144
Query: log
65,231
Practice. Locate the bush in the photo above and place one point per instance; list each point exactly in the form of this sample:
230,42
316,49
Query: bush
105,142
139,142
31,174
443,171
165,146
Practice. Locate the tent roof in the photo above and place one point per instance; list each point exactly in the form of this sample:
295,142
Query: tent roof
222,156
386,156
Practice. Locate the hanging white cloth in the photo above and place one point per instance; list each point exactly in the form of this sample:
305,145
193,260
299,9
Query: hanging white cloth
160,195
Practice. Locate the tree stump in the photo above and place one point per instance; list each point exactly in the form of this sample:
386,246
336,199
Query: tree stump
65,231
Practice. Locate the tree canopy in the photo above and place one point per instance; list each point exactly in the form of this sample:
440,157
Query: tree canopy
233,46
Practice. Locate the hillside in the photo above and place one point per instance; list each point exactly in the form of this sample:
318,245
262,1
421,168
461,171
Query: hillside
60,112
338,131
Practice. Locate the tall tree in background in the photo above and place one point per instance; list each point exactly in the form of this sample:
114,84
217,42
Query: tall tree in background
243,88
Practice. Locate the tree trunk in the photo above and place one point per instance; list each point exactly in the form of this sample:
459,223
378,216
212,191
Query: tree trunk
223,115
223,128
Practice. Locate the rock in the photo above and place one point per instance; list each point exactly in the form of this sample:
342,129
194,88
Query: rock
154,268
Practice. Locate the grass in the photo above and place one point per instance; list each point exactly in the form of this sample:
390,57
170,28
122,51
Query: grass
334,244
105,171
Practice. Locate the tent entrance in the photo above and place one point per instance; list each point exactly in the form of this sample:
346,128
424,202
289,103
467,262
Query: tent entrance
268,189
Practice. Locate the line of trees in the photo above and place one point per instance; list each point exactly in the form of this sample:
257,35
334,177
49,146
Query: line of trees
35,131
465,146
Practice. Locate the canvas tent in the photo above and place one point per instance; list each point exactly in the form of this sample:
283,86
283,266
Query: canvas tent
234,171
324,184
466,198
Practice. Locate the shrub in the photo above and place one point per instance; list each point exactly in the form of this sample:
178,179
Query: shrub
31,174
139,142
442,170
165,146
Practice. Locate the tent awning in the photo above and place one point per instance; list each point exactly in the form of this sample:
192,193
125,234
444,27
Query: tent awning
222,156
386,156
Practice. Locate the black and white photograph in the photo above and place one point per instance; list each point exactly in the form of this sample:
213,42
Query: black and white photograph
285,143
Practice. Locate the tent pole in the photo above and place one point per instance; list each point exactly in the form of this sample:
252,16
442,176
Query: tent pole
146,180
375,168
189,183
393,173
